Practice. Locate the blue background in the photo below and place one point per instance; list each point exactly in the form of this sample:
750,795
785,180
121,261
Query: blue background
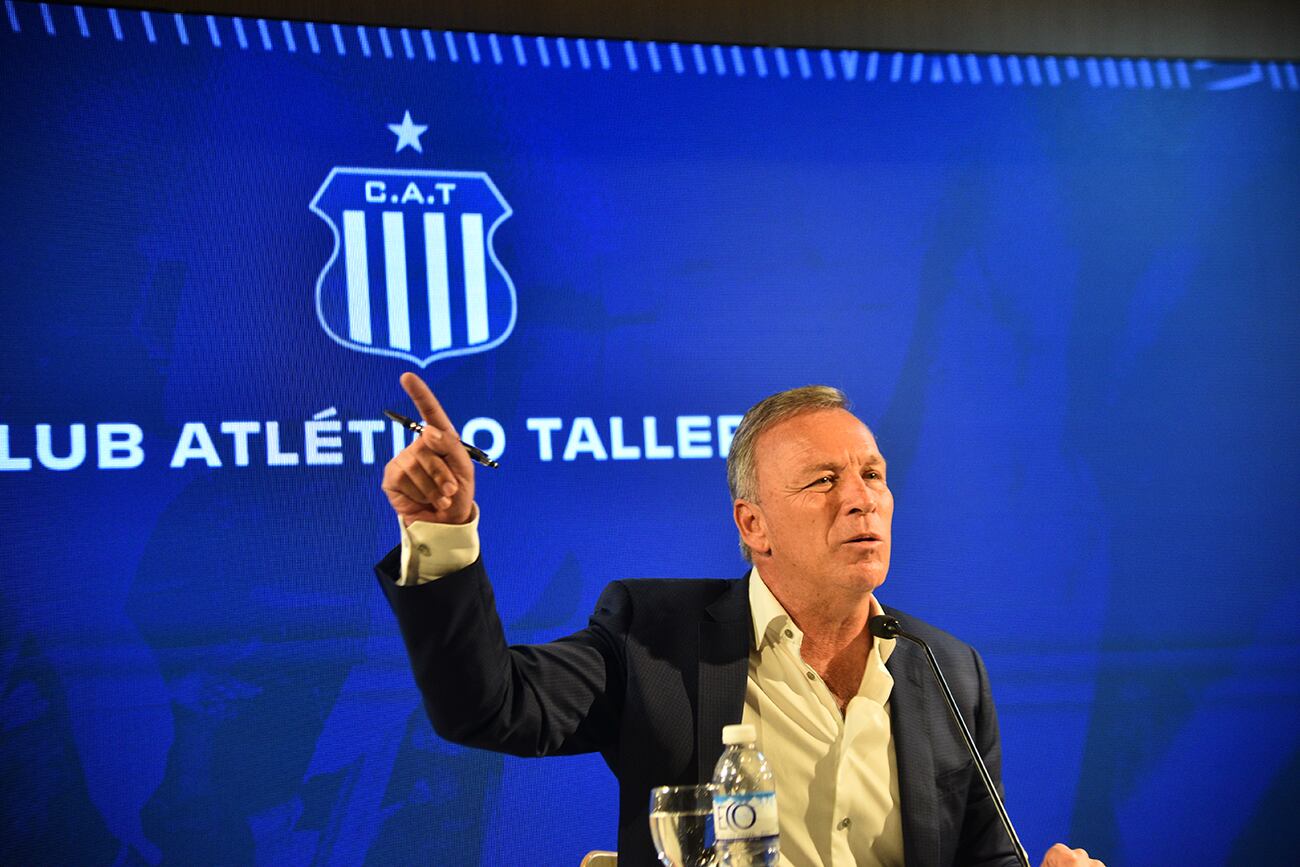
1061,291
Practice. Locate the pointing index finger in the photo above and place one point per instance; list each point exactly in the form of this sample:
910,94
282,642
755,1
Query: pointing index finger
427,405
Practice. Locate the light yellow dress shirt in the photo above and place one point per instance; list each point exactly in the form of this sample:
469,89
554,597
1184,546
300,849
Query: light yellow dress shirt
836,775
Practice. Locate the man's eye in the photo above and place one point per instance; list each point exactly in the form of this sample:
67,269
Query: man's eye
823,482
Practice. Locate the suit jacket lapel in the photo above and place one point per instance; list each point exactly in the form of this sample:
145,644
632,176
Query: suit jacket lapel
724,663
911,712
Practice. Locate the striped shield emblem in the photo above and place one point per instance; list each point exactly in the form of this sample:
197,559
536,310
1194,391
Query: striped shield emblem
413,274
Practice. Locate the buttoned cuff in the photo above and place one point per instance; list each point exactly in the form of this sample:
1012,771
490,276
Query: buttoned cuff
430,551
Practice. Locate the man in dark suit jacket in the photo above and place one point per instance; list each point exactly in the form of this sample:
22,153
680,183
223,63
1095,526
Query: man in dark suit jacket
650,683
664,664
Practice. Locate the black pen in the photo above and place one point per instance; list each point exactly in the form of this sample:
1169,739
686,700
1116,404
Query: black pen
475,452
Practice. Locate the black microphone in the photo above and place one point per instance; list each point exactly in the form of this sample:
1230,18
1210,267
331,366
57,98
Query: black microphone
884,626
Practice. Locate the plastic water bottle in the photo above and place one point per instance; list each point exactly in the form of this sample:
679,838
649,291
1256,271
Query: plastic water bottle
744,803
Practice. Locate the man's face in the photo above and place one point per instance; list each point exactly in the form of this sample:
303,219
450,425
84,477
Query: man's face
824,510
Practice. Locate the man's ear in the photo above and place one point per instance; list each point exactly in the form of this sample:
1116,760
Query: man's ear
752,526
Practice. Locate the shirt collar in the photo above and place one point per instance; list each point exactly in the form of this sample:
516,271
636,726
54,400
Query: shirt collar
771,619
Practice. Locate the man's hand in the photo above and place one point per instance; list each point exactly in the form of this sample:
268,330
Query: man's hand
1061,855
433,478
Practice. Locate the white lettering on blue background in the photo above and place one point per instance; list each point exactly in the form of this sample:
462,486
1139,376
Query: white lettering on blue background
377,192
327,440
117,445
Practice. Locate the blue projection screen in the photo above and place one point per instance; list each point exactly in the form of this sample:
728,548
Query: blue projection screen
1061,290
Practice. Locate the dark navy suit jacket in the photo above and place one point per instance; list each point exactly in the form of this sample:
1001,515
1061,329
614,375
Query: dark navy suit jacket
650,682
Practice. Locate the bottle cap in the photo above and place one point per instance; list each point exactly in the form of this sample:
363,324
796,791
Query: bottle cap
739,734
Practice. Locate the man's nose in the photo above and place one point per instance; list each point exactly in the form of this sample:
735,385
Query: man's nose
859,496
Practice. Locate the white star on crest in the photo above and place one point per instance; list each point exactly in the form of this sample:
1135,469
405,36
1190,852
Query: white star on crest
408,133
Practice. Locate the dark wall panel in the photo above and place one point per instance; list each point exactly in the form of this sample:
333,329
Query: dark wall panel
1194,28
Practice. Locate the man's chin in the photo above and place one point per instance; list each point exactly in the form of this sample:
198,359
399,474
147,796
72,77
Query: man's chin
870,575
857,580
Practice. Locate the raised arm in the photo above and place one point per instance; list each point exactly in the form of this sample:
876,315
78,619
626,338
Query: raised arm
529,700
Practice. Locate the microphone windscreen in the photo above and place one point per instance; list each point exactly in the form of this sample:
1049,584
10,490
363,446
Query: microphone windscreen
884,626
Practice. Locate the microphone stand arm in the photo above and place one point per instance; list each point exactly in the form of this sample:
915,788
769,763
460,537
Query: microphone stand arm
970,745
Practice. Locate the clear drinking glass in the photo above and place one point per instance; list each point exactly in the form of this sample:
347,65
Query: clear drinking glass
681,825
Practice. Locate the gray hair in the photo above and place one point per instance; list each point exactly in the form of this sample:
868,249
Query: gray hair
742,475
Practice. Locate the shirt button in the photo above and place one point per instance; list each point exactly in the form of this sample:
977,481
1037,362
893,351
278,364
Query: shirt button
812,676
423,549
789,634
845,823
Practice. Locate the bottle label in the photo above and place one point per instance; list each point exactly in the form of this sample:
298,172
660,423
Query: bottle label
746,816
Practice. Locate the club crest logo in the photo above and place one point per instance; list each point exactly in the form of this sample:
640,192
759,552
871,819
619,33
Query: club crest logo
413,274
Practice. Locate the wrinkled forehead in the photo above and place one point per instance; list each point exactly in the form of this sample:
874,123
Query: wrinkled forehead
822,437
